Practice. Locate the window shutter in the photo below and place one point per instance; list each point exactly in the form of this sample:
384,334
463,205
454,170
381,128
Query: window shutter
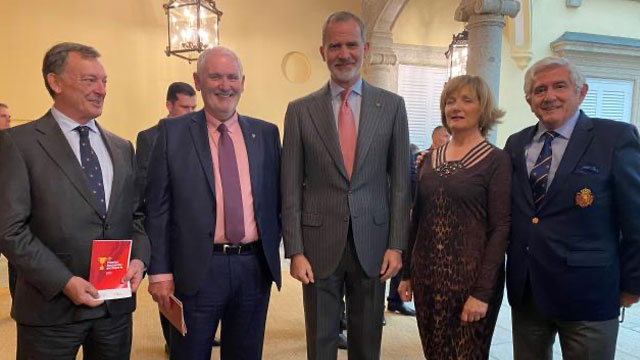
609,99
421,86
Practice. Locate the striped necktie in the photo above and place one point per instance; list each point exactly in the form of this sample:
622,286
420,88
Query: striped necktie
540,173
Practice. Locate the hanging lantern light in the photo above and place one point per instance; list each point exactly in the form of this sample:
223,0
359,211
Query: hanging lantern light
457,54
192,27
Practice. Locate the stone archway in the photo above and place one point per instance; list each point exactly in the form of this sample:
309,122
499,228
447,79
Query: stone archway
379,17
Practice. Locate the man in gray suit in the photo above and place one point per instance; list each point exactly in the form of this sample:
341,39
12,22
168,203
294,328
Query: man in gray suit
345,185
66,181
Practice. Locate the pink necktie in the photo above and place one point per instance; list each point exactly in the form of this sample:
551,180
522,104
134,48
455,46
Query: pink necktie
347,132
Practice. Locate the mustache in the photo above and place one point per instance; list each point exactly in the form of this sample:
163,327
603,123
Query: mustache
549,104
345,62
224,93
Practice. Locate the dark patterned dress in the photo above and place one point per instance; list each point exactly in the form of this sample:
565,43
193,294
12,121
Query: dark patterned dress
460,229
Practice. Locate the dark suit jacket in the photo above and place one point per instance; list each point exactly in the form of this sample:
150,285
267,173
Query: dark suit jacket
319,200
144,145
578,259
48,219
181,199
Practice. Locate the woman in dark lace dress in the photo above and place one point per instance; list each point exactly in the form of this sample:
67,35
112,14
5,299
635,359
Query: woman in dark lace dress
460,228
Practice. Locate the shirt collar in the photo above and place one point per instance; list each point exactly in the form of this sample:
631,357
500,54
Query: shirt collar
67,124
564,131
231,123
336,89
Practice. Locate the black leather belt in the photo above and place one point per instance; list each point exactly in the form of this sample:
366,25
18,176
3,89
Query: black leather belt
230,249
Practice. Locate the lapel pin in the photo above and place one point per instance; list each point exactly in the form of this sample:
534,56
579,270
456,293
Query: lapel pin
378,104
253,135
584,198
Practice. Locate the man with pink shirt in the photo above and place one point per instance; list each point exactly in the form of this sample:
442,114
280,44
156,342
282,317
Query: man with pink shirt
213,216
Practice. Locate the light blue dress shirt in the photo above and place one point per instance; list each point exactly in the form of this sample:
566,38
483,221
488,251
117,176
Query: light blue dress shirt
355,100
558,145
67,125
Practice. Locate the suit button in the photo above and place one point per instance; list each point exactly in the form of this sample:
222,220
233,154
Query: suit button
527,248
535,220
107,226
350,192
346,218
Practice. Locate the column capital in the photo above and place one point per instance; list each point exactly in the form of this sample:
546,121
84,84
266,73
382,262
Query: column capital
381,49
469,8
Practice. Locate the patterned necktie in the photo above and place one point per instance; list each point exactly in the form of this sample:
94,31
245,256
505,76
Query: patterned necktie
540,173
347,132
233,209
91,167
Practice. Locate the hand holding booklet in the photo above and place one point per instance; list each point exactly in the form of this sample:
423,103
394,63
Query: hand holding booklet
109,264
175,314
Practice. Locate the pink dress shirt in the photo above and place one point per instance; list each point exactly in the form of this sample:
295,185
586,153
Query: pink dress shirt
250,226
235,132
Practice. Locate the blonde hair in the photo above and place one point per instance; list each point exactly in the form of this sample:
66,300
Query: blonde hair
489,111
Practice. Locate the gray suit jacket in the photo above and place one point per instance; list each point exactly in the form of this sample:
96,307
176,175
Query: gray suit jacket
319,201
49,217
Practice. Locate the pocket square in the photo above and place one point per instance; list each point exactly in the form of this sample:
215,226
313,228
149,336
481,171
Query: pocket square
587,170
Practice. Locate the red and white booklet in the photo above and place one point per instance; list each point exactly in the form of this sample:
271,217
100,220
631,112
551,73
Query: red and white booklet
109,264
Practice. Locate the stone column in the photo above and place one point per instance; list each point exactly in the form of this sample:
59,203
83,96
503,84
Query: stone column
380,67
485,21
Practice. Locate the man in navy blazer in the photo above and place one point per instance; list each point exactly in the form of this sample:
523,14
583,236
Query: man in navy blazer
213,216
574,256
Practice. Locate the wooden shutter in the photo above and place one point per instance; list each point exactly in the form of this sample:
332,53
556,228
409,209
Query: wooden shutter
421,87
609,99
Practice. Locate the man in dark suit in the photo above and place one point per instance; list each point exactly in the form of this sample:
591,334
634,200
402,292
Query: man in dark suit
5,123
5,116
345,185
213,216
66,181
181,100
574,257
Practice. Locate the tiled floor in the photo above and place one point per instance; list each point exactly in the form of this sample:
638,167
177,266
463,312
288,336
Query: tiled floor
628,347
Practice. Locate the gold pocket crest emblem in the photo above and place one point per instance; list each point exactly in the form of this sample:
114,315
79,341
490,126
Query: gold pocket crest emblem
584,198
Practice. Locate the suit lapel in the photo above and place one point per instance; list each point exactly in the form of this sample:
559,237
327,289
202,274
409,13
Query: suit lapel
321,113
118,164
255,152
56,145
370,116
200,137
580,139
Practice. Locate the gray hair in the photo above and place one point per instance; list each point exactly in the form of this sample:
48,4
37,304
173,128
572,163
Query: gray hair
575,75
218,50
56,58
342,16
